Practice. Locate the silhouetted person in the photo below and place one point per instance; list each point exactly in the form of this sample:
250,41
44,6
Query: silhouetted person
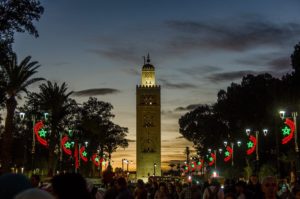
140,191
111,192
254,186
269,187
69,186
162,192
123,191
35,180
34,194
13,184
213,191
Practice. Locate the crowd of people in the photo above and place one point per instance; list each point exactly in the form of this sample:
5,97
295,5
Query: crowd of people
74,186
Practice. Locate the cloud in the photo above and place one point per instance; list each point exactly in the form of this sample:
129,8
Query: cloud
175,38
167,84
132,71
117,53
229,76
277,62
199,70
188,108
280,63
95,91
234,36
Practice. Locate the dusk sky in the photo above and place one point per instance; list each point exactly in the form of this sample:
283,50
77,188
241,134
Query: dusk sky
197,47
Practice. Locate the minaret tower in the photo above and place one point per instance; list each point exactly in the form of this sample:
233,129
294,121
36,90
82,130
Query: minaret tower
148,124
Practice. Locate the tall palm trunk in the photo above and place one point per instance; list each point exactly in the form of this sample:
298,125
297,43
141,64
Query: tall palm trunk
11,104
52,143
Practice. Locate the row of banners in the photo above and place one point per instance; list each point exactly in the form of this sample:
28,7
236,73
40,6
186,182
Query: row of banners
72,148
69,147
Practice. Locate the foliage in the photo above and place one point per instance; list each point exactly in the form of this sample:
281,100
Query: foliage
96,122
295,59
54,99
267,170
17,16
203,128
17,78
254,104
247,172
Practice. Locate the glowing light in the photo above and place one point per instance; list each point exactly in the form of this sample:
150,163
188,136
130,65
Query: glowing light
228,154
66,145
251,145
288,131
212,159
248,132
37,127
200,164
215,174
96,160
83,154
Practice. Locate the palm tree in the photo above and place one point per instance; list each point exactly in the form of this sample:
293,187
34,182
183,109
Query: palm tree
17,77
53,99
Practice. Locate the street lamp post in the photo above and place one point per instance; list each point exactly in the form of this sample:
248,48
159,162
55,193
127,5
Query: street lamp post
294,116
265,132
33,144
232,148
154,169
22,117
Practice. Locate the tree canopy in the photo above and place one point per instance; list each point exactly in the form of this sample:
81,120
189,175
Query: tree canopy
254,103
17,16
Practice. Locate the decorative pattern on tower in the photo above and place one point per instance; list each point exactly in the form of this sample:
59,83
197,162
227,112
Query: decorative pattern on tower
148,124
148,73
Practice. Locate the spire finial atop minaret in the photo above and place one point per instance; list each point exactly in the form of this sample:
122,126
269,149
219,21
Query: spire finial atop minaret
148,58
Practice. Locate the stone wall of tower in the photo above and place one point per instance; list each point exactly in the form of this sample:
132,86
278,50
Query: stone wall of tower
148,131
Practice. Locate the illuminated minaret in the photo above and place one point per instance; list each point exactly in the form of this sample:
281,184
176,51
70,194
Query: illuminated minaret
148,124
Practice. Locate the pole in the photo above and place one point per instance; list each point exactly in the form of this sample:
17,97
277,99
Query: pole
232,162
61,153
256,148
297,164
127,165
276,121
216,159
33,144
296,136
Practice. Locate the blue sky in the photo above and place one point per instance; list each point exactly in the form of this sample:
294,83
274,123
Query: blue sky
197,47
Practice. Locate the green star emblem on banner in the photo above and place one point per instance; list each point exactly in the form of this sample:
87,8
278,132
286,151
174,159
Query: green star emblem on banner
42,133
286,130
84,153
211,159
68,145
250,144
227,153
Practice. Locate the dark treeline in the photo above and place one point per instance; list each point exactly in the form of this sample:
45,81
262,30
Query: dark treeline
254,104
89,124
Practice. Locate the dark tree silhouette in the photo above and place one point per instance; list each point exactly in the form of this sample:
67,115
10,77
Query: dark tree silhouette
295,59
102,133
17,77
203,127
17,16
53,98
